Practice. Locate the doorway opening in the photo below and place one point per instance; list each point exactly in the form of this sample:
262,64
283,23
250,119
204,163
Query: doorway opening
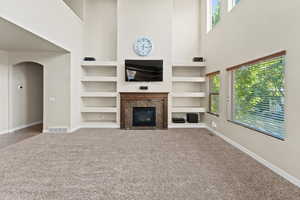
27,98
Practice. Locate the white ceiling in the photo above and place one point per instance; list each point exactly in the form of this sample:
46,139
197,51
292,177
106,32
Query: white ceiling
15,38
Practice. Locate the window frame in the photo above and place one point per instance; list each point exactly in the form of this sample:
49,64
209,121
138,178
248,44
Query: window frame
211,94
232,4
230,113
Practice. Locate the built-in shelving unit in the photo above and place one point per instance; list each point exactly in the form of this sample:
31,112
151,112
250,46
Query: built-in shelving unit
99,97
188,93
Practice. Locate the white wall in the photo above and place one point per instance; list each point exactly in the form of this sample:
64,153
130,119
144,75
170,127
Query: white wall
186,30
100,29
254,29
55,22
27,102
153,19
56,85
77,6
52,20
4,92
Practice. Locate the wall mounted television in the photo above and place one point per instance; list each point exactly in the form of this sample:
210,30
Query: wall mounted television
144,70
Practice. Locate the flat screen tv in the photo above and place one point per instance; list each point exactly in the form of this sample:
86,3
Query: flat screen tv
144,70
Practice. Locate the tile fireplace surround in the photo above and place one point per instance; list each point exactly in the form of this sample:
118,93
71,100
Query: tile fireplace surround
130,101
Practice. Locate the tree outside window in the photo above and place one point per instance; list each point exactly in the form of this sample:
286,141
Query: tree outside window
258,96
214,92
216,11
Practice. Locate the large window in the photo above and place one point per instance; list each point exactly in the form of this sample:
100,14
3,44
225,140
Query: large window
214,13
214,93
257,96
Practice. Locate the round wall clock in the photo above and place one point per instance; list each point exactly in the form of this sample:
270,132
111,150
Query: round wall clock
143,46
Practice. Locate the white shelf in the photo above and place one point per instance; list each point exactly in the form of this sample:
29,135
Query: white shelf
188,109
99,94
99,125
187,125
99,79
99,110
189,94
189,64
189,79
99,64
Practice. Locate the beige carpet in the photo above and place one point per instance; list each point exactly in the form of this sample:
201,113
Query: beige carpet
110,164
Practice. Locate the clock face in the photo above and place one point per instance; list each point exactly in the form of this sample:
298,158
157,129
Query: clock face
143,46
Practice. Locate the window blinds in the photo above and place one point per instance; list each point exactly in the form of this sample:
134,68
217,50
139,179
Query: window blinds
258,95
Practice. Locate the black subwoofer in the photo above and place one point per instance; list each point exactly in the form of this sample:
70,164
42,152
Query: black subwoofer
192,118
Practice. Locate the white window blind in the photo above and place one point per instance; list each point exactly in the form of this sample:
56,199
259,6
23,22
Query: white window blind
258,96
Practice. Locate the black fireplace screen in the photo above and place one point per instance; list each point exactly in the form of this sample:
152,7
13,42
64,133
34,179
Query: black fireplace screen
144,116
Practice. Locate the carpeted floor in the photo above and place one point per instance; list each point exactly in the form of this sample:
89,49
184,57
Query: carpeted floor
110,164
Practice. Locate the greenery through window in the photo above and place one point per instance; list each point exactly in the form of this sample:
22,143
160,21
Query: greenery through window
258,96
214,93
216,11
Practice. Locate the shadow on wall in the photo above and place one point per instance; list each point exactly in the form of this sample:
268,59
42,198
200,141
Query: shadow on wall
26,95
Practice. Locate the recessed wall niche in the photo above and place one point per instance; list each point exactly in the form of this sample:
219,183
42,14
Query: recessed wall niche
100,29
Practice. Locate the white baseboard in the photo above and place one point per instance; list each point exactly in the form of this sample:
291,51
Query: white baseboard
74,129
4,132
20,127
264,162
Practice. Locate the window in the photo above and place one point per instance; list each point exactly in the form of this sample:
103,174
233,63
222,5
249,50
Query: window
214,92
213,13
257,96
232,4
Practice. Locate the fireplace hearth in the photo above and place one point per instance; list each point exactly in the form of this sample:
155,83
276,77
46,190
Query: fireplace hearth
144,111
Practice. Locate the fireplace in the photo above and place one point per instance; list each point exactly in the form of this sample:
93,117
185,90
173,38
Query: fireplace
144,111
144,117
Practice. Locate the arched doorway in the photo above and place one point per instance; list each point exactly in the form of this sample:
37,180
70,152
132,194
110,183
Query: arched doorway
26,97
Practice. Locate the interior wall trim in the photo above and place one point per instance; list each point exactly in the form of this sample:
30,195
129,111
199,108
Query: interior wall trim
294,180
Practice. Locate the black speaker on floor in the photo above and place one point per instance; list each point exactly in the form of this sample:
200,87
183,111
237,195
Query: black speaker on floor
178,120
192,117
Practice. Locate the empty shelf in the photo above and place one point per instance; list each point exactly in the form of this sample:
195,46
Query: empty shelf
99,94
98,110
189,94
189,79
189,64
99,79
99,64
